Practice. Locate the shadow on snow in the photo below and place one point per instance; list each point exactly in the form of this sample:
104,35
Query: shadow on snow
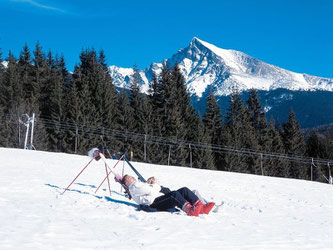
96,196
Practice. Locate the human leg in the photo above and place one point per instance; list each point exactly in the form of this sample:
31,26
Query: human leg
167,201
194,200
188,195
175,198
196,192
208,206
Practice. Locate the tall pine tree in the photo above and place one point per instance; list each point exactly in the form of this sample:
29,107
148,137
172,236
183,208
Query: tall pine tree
203,157
240,134
124,121
12,97
30,87
54,104
157,102
213,126
3,114
108,104
295,145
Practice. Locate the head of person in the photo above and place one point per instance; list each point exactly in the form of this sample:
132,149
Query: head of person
128,180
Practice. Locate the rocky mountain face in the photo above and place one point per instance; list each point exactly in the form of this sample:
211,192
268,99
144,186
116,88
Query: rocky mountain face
206,66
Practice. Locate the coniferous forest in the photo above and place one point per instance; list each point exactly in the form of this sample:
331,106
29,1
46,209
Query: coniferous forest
80,110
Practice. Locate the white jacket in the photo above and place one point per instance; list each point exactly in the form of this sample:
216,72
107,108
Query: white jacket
144,193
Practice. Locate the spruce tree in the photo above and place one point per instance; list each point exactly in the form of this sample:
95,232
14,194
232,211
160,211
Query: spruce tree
264,133
102,60
87,110
124,121
141,116
183,117
12,96
27,77
13,83
162,104
315,149
137,115
80,108
328,146
295,145
147,126
90,80
72,119
30,87
166,85
320,146
31,94
203,157
66,77
40,75
43,76
54,103
256,112
3,103
273,143
39,79
213,126
240,134
156,100
108,105
327,154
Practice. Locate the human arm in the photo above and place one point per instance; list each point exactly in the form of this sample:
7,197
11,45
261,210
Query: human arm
143,189
144,193
153,180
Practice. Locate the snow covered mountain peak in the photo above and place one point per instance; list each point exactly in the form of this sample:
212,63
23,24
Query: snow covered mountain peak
204,65
5,64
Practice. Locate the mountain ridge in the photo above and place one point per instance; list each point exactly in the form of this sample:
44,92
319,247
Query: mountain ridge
204,65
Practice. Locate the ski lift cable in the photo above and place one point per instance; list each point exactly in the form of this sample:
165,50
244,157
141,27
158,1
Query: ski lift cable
132,136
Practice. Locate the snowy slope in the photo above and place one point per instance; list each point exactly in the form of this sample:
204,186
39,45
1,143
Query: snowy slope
204,65
259,212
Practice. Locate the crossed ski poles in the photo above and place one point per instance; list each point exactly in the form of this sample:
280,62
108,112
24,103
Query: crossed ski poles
116,176
97,156
108,170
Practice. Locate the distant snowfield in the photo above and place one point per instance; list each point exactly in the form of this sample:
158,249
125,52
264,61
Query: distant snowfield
258,212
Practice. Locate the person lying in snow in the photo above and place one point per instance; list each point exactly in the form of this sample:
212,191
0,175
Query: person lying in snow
161,198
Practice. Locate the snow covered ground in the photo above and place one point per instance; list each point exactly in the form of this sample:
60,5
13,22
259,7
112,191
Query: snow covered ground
258,212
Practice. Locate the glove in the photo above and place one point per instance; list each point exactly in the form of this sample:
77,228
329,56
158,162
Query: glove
152,180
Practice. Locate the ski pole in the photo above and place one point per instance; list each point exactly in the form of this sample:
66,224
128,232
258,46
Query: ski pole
104,145
106,171
107,176
78,175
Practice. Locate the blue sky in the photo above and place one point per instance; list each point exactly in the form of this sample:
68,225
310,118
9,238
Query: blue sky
295,35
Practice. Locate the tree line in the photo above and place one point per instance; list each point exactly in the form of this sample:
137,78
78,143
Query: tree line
86,99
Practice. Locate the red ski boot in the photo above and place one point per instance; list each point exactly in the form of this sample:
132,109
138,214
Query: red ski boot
207,208
194,210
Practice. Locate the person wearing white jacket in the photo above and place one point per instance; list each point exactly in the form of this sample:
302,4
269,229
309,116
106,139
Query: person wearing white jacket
152,194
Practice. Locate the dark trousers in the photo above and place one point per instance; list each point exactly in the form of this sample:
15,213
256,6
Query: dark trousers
165,190
174,199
